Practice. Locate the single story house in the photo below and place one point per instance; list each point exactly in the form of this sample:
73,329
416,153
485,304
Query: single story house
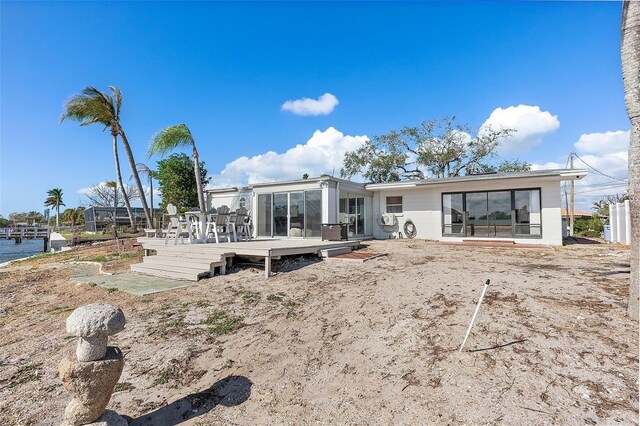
523,207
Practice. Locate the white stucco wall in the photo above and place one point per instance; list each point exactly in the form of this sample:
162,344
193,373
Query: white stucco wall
423,205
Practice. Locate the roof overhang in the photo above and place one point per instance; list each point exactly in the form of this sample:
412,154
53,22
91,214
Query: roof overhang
560,174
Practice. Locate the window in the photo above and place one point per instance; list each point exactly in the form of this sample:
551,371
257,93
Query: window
394,204
500,214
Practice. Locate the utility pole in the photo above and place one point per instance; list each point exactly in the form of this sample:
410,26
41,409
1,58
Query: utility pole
572,197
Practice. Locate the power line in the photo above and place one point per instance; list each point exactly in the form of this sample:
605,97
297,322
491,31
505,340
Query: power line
596,170
601,189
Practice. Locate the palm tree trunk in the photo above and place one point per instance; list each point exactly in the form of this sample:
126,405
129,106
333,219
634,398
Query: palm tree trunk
630,52
127,204
196,168
58,216
136,177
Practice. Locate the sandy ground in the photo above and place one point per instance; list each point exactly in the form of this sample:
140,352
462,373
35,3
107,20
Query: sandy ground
345,342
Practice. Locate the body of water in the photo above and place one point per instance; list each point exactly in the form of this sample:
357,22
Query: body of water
9,250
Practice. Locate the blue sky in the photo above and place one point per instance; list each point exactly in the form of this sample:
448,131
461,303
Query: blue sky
552,69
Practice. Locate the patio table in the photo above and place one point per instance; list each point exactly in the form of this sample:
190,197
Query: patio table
200,218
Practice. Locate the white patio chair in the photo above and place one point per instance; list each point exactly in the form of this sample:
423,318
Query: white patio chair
176,227
216,222
241,224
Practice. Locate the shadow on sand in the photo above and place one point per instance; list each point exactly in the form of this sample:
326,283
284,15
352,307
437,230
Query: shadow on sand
230,391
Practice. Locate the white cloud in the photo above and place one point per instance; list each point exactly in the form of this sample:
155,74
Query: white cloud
607,153
603,143
530,124
324,105
322,153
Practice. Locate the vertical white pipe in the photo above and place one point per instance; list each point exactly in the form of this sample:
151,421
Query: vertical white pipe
627,221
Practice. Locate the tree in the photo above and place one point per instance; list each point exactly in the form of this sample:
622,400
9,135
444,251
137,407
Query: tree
26,217
54,199
177,182
146,171
172,137
602,206
630,53
72,216
436,148
104,195
93,106
4,223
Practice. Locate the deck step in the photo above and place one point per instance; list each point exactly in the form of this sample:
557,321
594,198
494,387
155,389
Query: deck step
203,264
191,275
474,241
334,252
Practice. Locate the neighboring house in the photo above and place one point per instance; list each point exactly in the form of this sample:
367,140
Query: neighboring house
520,207
97,219
577,214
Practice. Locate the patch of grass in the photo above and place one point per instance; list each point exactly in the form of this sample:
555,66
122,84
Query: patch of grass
112,290
36,257
220,322
59,310
289,303
202,304
165,376
177,322
123,387
249,297
228,363
100,259
277,297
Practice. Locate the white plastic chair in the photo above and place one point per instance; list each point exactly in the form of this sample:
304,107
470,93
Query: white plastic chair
176,227
241,224
216,222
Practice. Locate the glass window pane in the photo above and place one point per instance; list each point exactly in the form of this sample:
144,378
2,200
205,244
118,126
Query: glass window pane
528,218
280,206
313,210
360,216
264,215
477,225
453,214
499,214
394,200
296,214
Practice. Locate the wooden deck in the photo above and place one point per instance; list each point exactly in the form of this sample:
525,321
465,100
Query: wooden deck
195,261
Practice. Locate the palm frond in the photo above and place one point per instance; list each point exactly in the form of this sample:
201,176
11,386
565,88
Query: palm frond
143,169
88,107
170,138
117,96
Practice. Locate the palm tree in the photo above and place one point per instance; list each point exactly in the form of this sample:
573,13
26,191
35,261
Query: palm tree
68,216
144,170
54,199
171,138
93,106
630,53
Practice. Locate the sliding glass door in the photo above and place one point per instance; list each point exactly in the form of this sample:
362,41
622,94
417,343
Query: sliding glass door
313,213
294,214
281,215
497,214
352,212
264,215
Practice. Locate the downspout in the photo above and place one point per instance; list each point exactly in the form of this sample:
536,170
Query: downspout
337,209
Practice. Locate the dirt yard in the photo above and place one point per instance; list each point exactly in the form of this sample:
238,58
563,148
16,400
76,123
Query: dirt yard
344,342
